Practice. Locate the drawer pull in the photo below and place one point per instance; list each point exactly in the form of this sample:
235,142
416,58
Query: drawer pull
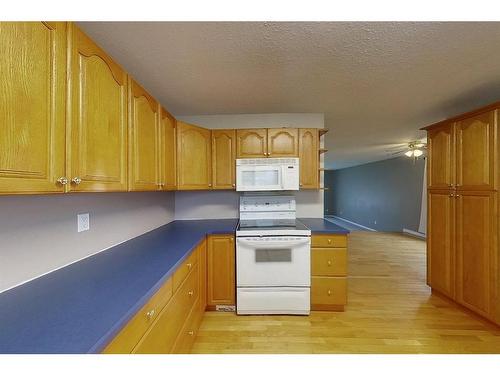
191,333
150,314
190,293
329,240
329,263
329,292
189,265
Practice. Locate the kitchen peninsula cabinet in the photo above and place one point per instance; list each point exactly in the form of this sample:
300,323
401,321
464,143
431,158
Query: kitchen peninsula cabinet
462,243
32,107
167,145
194,160
143,139
224,159
97,118
221,271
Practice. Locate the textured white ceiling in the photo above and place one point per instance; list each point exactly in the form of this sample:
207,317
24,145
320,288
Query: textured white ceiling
376,83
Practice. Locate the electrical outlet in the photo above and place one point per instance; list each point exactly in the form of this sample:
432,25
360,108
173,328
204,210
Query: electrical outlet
83,222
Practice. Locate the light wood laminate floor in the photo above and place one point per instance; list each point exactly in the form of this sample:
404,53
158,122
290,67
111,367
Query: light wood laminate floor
390,310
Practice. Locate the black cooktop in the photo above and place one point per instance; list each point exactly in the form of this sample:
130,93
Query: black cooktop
271,224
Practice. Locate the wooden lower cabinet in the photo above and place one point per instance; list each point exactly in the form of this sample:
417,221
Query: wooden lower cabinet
221,271
329,272
170,319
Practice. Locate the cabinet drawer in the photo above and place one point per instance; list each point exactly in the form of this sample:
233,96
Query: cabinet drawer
329,240
187,335
161,336
183,270
328,290
130,335
329,262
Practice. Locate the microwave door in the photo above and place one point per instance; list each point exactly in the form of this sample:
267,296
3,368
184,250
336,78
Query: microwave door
259,178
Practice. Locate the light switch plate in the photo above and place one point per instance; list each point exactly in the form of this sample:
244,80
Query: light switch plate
83,222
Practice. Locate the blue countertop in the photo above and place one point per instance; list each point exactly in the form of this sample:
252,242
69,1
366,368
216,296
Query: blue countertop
322,226
81,307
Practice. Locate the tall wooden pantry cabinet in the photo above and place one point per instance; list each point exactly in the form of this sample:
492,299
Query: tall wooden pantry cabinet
462,241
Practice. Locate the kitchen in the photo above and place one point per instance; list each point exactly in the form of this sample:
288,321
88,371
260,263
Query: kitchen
140,236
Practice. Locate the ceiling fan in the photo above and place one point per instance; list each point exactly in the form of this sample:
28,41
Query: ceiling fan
413,149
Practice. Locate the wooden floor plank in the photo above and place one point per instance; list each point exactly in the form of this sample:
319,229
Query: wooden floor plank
390,310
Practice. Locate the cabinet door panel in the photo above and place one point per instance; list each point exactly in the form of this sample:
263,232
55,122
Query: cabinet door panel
440,242
441,157
309,158
32,106
476,246
282,143
194,162
143,150
98,148
224,159
221,274
167,146
251,143
475,152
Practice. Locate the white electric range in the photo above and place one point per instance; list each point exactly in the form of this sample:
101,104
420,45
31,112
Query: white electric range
273,252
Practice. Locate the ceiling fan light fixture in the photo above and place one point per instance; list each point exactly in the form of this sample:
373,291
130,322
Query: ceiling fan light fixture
417,153
409,153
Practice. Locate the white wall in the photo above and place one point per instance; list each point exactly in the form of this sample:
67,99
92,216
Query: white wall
38,233
224,204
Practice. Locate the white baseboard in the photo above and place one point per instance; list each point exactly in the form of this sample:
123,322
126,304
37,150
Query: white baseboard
415,234
353,223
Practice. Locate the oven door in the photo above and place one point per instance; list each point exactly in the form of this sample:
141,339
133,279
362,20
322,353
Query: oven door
273,261
259,177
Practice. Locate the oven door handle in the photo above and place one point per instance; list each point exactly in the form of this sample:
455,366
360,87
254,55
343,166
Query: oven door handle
257,244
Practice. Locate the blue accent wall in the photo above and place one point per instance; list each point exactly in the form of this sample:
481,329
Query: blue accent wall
384,195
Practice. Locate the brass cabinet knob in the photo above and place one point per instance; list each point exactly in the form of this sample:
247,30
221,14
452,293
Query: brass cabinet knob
190,293
189,265
191,333
150,314
329,240
76,180
329,292
209,185
329,263
62,180
234,185
451,195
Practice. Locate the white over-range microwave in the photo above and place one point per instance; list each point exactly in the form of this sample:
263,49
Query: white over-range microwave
267,174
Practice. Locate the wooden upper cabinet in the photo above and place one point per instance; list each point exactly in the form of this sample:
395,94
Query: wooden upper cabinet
32,106
167,145
441,157
221,270
251,143
476,250
223,159
309,158
194,162
143,144
98,118
440,243
282,143
475,150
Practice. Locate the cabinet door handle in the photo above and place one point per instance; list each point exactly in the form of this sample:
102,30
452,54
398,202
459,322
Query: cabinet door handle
76,180
329,241
189,265
209,185
329,263
190,293
329,292
62,180
457,195
234,185
451,195
191,333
